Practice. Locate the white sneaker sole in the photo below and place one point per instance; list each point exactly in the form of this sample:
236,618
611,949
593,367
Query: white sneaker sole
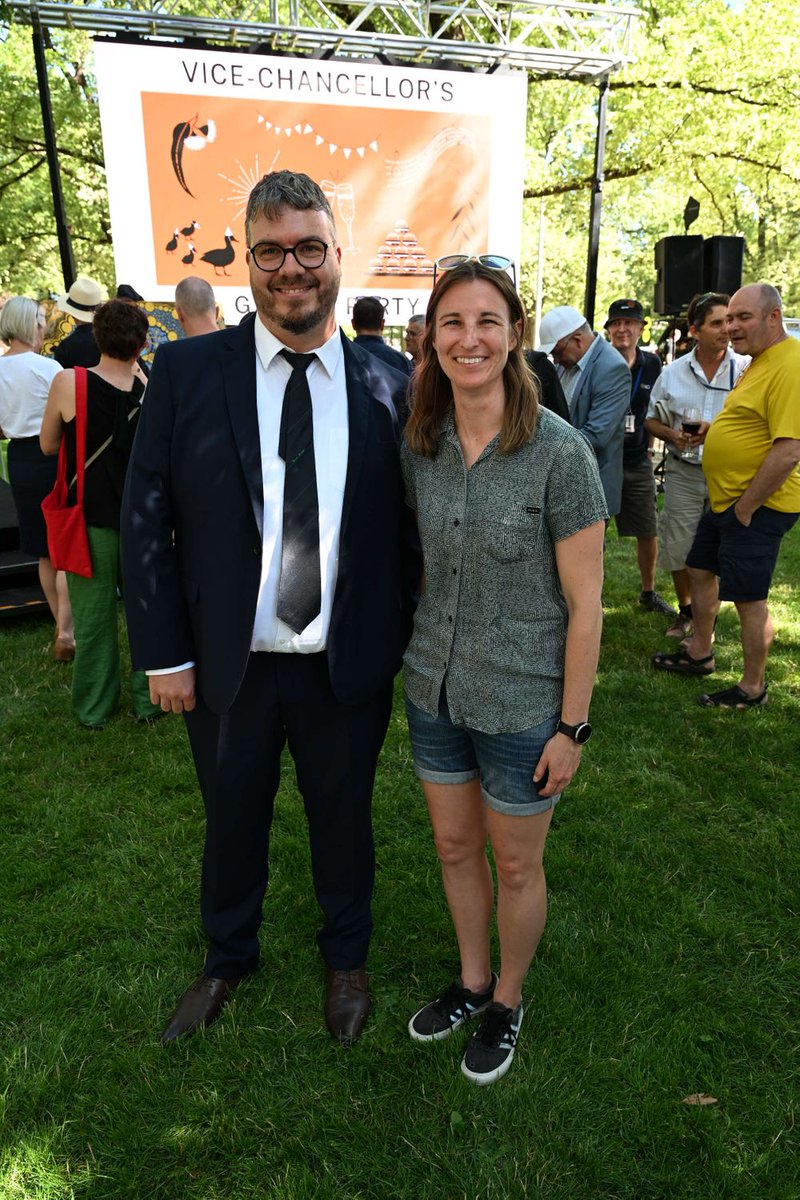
498,1072
443,1033
491,1076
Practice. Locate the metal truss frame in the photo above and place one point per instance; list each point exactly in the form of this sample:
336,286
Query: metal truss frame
557,38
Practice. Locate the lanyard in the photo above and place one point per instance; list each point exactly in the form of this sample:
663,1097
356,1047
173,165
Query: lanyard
711,387
637,381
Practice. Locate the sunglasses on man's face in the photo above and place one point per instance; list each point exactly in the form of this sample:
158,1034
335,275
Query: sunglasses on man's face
495,262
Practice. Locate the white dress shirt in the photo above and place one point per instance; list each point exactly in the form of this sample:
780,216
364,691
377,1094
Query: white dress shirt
683,383
328,387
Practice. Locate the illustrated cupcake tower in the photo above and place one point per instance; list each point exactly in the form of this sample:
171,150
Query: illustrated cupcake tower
401,254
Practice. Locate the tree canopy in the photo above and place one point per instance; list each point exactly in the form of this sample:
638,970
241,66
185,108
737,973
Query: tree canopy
710,107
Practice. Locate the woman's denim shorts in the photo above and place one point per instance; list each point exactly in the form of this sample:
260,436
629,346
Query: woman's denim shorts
504,762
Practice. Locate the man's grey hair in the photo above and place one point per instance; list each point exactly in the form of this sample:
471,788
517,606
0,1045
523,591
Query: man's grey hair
770,298
286,189
417,319
195,297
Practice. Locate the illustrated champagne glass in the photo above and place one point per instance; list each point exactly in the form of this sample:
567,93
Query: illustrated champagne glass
346,203
690,424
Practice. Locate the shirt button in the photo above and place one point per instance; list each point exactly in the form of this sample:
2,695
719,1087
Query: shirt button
455,570
456,522
450,620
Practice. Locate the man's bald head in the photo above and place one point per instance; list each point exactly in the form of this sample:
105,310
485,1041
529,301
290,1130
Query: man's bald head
755,319
195,306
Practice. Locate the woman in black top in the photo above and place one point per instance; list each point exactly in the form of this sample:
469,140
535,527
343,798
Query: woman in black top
114,391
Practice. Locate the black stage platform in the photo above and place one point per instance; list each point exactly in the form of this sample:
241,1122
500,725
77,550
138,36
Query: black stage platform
19,573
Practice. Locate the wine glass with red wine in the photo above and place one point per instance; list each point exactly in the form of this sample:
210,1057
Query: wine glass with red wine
691,421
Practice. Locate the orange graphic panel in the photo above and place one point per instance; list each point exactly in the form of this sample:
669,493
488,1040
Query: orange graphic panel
405,187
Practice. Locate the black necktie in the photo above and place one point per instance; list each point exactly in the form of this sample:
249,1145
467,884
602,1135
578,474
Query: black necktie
299,589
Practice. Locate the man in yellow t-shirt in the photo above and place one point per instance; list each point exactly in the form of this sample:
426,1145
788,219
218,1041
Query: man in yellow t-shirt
750,461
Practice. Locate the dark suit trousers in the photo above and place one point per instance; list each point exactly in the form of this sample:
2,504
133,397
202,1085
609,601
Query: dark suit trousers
335,749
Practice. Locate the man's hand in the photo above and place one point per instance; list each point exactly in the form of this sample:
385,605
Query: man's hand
174,691
743,520
700,437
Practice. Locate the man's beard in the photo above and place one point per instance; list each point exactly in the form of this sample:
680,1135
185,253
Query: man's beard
306,319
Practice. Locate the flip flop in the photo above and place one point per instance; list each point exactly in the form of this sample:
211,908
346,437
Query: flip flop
681,663
732,697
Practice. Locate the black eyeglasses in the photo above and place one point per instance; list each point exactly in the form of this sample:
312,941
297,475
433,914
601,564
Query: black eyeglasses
495,262
310,253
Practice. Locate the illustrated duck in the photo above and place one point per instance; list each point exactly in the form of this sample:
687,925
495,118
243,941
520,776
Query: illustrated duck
222,258
189,229
189,258
172,244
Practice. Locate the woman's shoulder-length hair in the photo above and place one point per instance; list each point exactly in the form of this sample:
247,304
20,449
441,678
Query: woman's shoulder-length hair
432,393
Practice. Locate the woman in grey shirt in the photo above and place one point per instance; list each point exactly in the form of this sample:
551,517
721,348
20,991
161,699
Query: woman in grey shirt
502,660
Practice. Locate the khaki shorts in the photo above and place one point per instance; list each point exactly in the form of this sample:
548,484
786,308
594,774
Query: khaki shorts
637,514
685,501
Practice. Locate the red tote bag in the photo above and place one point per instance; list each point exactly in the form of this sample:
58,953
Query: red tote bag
67,540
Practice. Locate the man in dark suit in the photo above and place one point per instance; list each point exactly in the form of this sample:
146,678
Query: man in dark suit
269,567
369,320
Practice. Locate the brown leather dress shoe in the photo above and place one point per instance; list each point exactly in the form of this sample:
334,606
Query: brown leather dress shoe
200,1005
346,1004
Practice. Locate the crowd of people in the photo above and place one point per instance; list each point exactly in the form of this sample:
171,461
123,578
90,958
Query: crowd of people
292,515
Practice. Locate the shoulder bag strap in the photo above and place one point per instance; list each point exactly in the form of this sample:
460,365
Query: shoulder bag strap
80,429
104,446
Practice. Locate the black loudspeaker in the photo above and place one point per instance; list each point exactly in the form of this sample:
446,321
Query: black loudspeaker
679,273
722,264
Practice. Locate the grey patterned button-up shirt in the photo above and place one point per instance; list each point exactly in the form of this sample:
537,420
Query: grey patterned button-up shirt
493,618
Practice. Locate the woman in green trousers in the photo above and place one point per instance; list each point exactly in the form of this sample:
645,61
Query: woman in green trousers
114,390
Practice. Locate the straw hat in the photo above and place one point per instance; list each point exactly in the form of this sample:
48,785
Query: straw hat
82,298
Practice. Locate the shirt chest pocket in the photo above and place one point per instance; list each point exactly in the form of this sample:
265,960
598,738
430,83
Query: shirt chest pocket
508,533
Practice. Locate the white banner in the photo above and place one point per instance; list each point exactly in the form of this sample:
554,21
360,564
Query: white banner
416,164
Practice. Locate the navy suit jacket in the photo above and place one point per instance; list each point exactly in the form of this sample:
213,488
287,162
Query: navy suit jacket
192,520
599,403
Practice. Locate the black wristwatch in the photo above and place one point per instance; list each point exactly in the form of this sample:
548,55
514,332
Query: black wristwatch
579,733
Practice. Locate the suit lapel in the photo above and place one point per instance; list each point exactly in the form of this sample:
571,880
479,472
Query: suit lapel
239,376
358,425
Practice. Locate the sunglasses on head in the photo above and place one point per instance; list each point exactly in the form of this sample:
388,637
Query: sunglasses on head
495,262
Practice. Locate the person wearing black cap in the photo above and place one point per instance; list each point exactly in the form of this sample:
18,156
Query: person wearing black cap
637,516
126,292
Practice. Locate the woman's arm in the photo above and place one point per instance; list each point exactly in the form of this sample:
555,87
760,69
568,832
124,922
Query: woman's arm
60,408
579,560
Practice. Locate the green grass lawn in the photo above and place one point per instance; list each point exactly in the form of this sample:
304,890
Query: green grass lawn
669,965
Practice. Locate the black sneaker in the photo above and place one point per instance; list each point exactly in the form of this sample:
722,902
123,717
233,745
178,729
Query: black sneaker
655,603
490,1051
449,1011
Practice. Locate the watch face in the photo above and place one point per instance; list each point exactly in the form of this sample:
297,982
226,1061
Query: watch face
583,733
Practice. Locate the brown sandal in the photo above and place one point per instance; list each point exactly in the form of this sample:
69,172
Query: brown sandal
63,651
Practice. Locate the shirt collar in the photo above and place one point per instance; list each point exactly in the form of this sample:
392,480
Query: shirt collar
723,365
589,354
268,347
